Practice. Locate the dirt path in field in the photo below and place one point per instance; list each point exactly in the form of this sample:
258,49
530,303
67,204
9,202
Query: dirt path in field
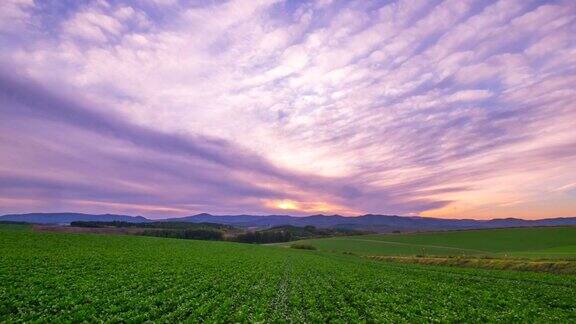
420,245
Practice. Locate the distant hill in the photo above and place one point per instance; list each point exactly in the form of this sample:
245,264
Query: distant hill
376,223
67,218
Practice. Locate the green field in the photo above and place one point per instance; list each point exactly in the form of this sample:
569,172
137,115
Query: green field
48,277
538,242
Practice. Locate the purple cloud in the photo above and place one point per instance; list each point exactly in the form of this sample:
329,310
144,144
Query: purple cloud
445,108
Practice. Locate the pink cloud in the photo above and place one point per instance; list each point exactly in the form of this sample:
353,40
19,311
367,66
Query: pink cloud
397,101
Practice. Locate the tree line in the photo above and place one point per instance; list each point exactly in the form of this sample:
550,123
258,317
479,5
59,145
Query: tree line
220,232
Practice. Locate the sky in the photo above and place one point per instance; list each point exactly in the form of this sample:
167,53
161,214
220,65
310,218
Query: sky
453,109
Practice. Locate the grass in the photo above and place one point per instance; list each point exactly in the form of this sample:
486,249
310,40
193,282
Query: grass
535,243
550,266
56,277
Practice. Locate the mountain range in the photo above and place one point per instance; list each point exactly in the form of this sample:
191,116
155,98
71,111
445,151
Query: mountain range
370,222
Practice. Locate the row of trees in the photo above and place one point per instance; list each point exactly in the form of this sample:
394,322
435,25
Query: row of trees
291,233
189,234
264,237
220,232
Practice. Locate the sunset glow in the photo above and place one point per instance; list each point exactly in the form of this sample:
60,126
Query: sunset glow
457,109
286,204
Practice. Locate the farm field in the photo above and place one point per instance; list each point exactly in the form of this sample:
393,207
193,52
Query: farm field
537,242
75,277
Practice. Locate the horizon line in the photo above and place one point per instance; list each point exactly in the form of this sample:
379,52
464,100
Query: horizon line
287,215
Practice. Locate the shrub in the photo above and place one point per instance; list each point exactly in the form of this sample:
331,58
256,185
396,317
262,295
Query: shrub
303,246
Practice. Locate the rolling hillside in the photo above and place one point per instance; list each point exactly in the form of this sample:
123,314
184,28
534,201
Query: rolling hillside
82,277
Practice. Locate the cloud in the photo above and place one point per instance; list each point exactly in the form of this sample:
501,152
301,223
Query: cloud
14,14
102,23
470,95
400,107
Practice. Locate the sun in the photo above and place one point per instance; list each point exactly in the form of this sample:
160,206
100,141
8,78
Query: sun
286,204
